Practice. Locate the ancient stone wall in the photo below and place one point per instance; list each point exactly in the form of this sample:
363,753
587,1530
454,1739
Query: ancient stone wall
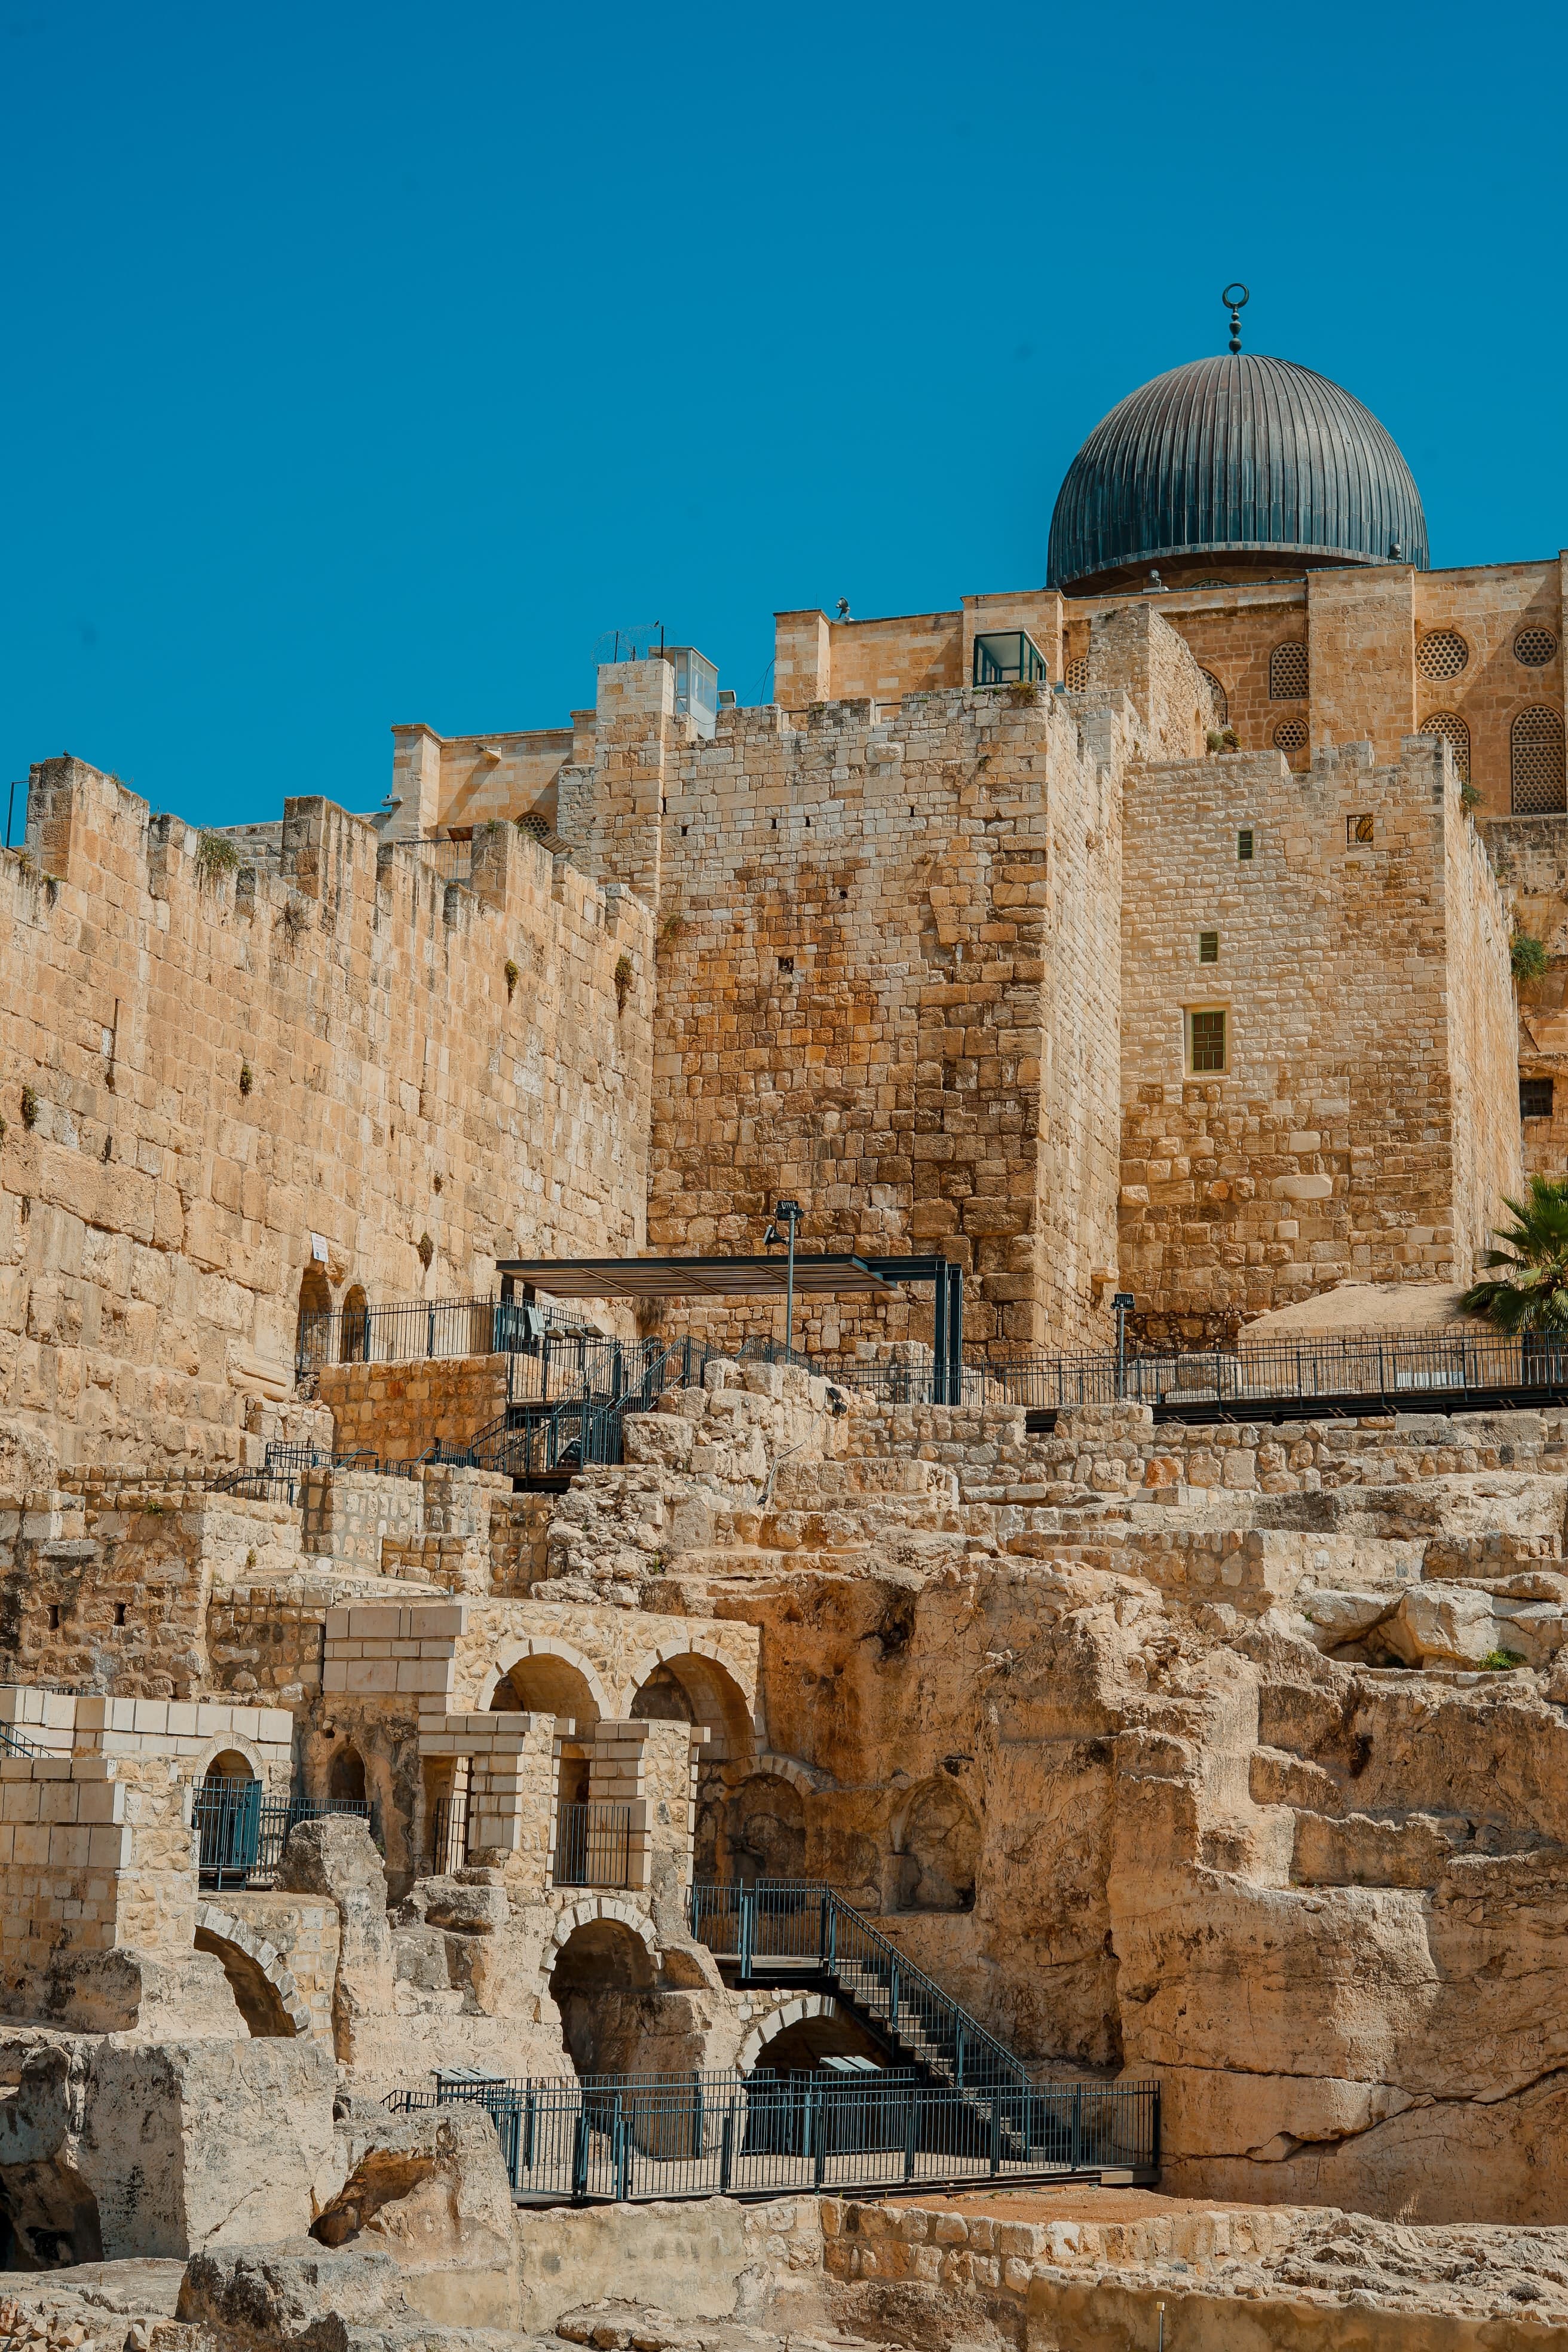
1364,1121
201,1071
888,985
398,1409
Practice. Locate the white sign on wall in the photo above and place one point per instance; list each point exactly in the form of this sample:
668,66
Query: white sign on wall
319,1247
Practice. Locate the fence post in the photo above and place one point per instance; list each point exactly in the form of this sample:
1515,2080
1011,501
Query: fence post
1075,2152
910,2133
830,1955
618,2143
580,2158
958,2058
893,1997
815,2137
995,2133
748,1921
530,2125
727,2149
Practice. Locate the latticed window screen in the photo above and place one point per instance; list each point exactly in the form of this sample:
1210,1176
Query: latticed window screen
1536,758
1075,678
1291,735
1534,648
1287,673
1453,730
1442,653
1207,1040
1218,697
1535,1097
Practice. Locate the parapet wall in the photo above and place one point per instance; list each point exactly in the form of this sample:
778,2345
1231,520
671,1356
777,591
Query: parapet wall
216,1082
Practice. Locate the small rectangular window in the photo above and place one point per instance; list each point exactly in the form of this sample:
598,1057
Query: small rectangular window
786,963
1205,1033
1535,1097
1208,947
1358,831
1244,845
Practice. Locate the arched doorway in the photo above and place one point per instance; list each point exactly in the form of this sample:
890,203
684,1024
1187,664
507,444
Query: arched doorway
346,1775
801,2047
311,1333
227,1815
602,1982
761,1832
354,1330
936,1851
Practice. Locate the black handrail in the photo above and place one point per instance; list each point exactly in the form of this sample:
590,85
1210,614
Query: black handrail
800,1919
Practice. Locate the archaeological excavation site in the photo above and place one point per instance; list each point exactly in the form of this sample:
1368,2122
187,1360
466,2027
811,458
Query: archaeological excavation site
760,1582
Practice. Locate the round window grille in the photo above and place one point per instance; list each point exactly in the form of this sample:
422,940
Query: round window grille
1075,678
1535,745
1534,648
1453,730
1443,653
1288,674
1218,697
1291,735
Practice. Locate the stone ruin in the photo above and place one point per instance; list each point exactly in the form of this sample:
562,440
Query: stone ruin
845,1871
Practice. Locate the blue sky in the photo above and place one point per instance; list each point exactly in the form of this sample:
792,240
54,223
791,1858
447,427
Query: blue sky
366,363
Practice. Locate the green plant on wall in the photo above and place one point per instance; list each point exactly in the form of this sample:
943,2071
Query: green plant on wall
1528,957
623,982
513,977
29,1108
215,857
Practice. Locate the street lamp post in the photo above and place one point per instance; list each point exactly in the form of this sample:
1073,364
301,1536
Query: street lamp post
790,1210
1123,1303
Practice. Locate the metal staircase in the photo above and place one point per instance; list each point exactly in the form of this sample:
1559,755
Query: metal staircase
799,1933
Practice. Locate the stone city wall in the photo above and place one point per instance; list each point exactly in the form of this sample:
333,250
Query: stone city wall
1365,1123
875,992
201,1069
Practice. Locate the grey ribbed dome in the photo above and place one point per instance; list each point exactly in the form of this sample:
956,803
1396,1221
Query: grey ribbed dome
1235,454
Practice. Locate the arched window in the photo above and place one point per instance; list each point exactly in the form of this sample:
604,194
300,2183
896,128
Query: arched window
1451,728
1535,746
353,1345
1218,697
1287,673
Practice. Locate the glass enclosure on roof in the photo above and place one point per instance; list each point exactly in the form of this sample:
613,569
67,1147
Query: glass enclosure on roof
1008,658
696,688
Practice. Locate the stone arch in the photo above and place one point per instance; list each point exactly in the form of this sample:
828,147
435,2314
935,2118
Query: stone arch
694,1665
227,1745
778,2020
601,1972
354,1327
757,1829
264,1990
936,1841
544,1676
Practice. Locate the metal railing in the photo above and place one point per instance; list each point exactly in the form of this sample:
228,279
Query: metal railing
449,1835
1400,1365
241,1833
16,1743
634,2138
412,1330
796,1920
592,1846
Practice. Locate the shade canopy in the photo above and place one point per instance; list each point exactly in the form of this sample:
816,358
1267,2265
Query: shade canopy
709,1278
